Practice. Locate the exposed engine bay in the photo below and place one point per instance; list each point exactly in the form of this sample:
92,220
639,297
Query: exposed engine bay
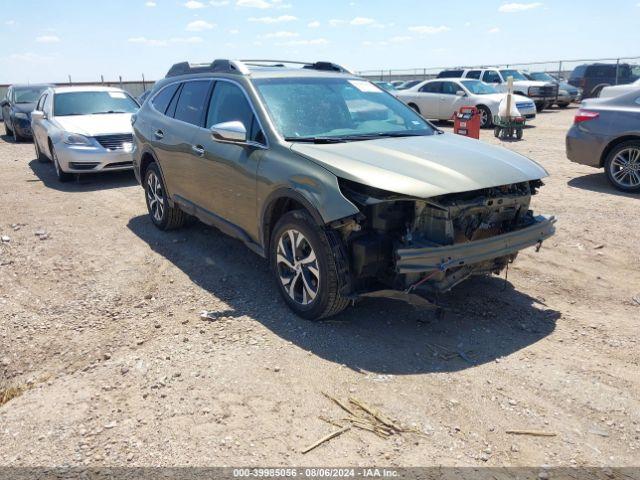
397,241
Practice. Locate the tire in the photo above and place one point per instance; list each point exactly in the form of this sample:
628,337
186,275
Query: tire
310,288
519,133
541,106
626,155
163,216
39,155
485,114
563,105
414,107
17,138
62,175
496,132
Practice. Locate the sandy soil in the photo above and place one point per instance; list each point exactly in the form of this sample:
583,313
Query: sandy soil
100,325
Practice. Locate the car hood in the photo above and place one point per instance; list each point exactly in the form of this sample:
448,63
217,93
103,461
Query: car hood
92,125
423,166
531,83
24,107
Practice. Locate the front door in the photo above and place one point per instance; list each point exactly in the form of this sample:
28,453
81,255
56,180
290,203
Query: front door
229,170
450,102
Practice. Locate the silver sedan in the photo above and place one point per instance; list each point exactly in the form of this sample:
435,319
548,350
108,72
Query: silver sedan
606,134
84,129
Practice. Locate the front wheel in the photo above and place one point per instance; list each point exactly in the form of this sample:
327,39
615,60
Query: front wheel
163,215
623,166
61,174
306,268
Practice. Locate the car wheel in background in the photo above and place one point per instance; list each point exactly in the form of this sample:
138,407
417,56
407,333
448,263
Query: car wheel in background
622,166
415,107
304,263
486,120
39,156
61,174
563,105
17,138
163,215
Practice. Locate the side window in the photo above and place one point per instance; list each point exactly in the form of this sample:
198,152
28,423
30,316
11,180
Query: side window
450,88
474,74
433,87
491,76
229,103
192,102
161,100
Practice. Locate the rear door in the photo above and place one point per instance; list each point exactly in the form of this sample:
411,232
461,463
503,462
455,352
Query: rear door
428,99
228,170
449,100
172,135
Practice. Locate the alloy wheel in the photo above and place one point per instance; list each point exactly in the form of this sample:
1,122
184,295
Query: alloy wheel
297,267
484,117
155,197
625,167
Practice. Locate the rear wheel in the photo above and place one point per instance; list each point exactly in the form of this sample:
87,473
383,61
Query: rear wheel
61,174
622,166
486,121
163,215
303,260
563,105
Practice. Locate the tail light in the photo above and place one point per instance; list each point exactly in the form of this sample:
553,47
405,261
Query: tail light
585,116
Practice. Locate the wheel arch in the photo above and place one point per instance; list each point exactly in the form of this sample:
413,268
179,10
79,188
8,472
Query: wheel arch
279,202
147,158
614,143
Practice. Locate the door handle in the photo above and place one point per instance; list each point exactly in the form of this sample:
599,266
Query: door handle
158,134
198,150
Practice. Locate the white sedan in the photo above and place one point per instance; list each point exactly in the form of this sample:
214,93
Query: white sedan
439,99
616,90
84,129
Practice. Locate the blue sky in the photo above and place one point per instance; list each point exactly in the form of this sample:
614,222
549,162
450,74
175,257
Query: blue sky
46,40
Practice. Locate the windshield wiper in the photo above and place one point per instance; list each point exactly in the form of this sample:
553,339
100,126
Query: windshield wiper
109,111
315,139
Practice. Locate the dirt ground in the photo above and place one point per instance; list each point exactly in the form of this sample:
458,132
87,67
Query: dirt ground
100,328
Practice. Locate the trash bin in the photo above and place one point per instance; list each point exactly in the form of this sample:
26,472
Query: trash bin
466,122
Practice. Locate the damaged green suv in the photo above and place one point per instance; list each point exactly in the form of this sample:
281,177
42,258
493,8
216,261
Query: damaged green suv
346,191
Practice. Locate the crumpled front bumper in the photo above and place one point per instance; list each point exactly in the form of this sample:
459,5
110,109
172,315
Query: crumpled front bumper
442,258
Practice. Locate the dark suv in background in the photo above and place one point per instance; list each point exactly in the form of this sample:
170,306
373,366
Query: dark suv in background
346,190
592,78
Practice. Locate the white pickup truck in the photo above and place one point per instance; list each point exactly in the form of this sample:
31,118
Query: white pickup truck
542,93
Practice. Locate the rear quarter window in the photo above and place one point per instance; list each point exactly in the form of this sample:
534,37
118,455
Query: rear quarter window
161,100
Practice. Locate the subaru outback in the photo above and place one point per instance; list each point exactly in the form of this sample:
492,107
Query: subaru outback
343,188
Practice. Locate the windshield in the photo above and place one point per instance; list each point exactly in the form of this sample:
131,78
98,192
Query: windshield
386,85
478,88
542,76
92,103
28,95
512,73
336,108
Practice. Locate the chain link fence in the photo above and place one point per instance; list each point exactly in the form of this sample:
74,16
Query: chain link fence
563,68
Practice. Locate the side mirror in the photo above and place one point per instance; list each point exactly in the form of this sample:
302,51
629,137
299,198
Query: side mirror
231,132
461,93
38,115
4,103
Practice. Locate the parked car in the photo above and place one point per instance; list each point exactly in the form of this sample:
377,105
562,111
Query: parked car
592,78
397,83
567,93
17,107
83,129
343,203
542,93
606,134
615,90
408,84
389,87
440,99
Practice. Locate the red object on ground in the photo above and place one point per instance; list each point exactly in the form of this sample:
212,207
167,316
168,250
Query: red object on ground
466,122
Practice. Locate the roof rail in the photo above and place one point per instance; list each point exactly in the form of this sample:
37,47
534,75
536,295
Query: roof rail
220,65
326,66
241,66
